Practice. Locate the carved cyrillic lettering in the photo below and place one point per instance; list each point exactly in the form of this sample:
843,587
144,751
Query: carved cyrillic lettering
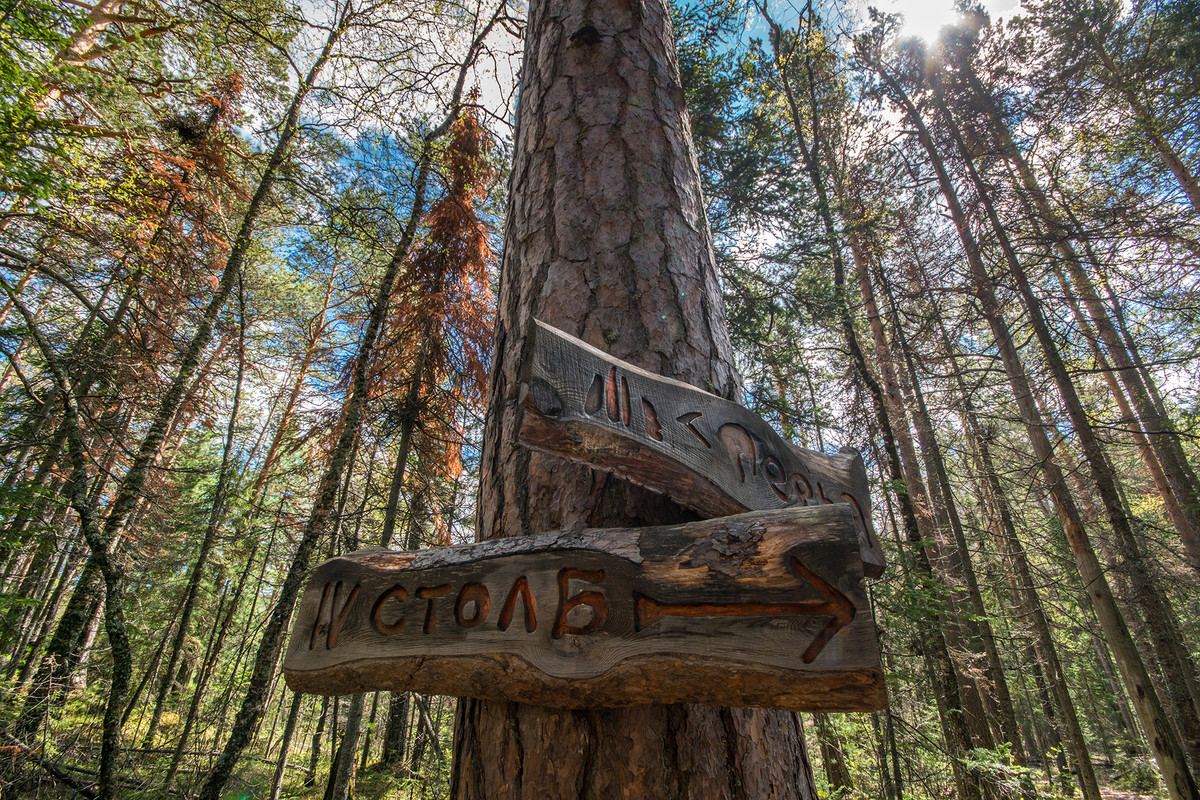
803,486
430,593
687,420
475,593
520,588
741,448
653,428
595,396
318,626
776,477
593,600
398,593
337,617
611,399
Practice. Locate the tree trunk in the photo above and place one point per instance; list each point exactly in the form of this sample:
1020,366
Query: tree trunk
341,771
1169,754
1178,668
285,746
396,732
1024,588
271,643
961,567
209,664
1183,495
833,755
606,240
215,515
315,750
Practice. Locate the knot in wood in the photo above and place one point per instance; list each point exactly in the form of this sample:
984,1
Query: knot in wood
546,398
586,35
732,550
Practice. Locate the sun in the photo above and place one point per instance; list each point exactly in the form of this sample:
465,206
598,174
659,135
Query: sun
924,18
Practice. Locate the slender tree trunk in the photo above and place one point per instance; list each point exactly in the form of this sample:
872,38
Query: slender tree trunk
315,750
962,569
130,490
1183,495
396,731
208,666
1004,531
366,748
114,620
215,515
1168,752
1145,118
1178,668
833,755
341,771
285,746
271,642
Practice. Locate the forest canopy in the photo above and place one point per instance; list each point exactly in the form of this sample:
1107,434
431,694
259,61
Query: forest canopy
250,257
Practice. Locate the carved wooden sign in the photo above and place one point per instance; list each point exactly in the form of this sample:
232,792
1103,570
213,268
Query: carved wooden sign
761,609
700,450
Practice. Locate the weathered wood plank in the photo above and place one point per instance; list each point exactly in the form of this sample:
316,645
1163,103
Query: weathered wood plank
700,450
761,609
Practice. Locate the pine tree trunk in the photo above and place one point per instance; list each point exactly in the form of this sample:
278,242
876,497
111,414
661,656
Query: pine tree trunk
1178,668
215,515
341,771
366,747
1168,752
1183,496
833,755
1004,531
606,239
396,731
208,666
314,757
318,524
285,746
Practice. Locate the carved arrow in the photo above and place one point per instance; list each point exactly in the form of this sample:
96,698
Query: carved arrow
834,605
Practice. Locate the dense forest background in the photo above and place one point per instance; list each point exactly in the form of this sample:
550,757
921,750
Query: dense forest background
248,253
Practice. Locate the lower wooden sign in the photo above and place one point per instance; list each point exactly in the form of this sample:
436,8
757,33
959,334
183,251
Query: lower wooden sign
759,609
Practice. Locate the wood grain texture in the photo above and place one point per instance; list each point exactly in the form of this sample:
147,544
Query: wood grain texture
700,450
761,609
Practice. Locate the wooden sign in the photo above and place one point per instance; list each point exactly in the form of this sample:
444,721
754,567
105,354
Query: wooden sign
700,450
760,609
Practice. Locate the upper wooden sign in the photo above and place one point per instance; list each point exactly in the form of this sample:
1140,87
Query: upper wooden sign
700,450
762,609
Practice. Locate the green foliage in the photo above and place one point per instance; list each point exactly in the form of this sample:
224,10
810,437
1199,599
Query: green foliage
31,32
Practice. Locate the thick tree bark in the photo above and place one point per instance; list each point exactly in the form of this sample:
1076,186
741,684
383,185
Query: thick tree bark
607,240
